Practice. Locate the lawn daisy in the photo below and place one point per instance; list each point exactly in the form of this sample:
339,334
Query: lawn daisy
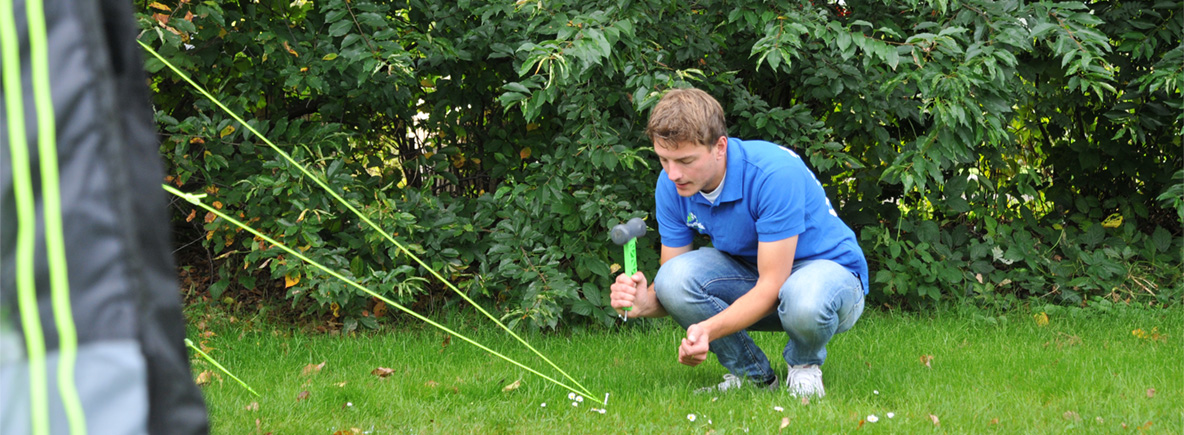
872,418
691,417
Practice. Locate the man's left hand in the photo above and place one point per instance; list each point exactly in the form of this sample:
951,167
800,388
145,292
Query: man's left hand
693,350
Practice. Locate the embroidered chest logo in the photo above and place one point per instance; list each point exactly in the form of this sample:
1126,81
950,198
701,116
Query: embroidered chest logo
693,222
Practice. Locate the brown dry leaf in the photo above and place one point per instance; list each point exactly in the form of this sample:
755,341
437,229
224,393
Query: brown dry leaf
382,372
447,341
524,153
926,359
162,19
217,205
204,377
207,334
254,406
350,431
157,5
312,368
431,384
303,395
189,16
379,308
1150,393
1071,416
290,50
861,422
513,386
192,214
784,422
210,216
805,400
995,420
936,422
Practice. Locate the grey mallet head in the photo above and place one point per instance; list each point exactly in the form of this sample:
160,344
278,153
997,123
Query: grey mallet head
635,228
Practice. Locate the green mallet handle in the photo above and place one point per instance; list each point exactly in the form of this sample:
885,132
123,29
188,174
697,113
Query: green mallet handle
626,235
630,261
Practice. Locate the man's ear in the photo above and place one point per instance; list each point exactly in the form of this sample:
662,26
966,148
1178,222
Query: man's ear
720,149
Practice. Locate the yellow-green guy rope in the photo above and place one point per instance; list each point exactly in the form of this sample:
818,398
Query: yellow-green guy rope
219,366
359,214
196,200
51,204
26,237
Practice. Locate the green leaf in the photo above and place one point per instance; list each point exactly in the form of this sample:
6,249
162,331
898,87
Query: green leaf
340,28
1162,239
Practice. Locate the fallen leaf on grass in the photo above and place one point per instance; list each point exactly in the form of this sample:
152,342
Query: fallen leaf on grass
350,431
205,377
926,359
995,420
1150,392
312,368
303,395
1041,319
513,386
1071,416
431,384
340,384
784,422
254,406
382,372
805,400
936,422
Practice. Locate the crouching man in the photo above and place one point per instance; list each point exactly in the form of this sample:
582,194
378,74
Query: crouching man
781,260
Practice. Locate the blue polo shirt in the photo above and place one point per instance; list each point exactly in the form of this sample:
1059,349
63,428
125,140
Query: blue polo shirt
768,195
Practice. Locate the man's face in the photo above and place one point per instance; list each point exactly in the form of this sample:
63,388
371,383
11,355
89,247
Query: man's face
694,167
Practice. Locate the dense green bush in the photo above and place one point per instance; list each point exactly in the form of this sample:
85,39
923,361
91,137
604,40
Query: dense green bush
983,150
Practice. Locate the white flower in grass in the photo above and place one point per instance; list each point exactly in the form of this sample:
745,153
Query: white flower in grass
890,415
691,417
575,403
571,396
875,391
601,411
544,405
778,408
580,399
872,418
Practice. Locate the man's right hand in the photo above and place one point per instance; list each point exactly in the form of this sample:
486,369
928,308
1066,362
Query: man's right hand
630,292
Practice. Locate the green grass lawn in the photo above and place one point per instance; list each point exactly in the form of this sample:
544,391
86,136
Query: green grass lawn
1082,371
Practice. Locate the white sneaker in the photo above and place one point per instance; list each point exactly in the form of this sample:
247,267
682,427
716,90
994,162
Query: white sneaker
732,382
805,380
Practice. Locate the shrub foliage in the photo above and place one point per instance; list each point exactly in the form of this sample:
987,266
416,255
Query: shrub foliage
982,150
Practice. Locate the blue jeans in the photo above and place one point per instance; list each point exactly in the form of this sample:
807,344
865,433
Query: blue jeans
820,299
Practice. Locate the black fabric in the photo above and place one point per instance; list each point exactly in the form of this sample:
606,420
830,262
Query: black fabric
116,225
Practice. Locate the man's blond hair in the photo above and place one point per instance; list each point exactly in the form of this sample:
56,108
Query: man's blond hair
686,115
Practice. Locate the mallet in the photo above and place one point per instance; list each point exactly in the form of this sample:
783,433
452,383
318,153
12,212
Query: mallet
626,234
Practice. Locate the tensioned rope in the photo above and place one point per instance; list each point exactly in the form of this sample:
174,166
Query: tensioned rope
374,226
196,200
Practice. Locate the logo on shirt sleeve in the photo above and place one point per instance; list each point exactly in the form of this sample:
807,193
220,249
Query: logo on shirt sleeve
693,222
